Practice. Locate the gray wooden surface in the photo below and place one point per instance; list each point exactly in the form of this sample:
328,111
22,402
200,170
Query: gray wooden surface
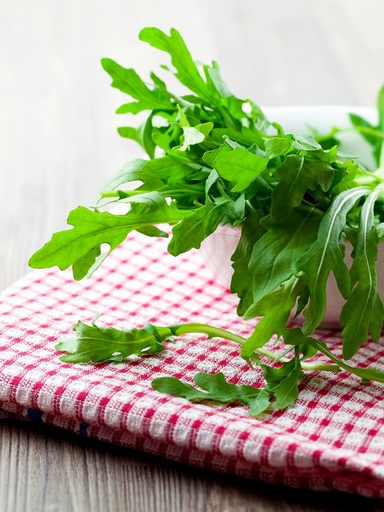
58,144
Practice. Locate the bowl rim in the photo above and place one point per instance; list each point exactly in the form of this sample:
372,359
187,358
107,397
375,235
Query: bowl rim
319,108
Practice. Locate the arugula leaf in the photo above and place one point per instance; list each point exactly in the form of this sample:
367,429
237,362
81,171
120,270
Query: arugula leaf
296,175
133,171
374,135
215,80
193,229
275,309
143,135
215,388
92,228
283,382
275,254
195,135
186,70
370,133
365,293
251,231
99,344
82,266
240,167
360,122
325,255
244,136
129,82
278,146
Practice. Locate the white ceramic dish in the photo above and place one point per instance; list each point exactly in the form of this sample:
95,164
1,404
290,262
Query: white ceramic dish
219,247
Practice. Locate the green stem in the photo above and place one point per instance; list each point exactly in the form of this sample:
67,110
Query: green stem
381,158
114,193
362,129
216,332
167,193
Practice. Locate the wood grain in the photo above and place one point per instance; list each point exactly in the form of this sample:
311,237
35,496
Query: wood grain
58,144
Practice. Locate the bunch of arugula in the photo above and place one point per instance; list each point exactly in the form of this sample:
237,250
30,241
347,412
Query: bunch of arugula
214,159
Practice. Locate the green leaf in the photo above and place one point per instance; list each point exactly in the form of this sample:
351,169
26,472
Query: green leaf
210,157
192,136
217,80
215,388
298,338
192,230
283,382
171,170
365,297
240,167
81,266
275,309
379,148
143,135
99,344
152,231
380,108
133,107
245,136
276,253
278,146
186,70
130,132
369,134
235,211
129,82
92,228
134,170
374,135
327,255
242,282
296,175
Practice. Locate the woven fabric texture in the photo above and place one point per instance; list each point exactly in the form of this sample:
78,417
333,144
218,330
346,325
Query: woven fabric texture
332,438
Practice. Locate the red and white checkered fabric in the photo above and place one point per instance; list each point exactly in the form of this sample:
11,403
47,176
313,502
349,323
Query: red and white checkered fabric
333,438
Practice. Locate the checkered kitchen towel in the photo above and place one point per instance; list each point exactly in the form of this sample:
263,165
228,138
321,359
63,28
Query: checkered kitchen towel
333,438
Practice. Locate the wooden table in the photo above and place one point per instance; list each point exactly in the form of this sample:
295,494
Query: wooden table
58,144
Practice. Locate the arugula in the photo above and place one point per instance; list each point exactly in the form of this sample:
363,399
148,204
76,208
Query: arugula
101,344
300,203
217,389
296,175
91,229
364,280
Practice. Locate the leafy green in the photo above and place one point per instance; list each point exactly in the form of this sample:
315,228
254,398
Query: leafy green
240,167
99,344
196,227
129,82
275,254
275,309
283,382
215,388
133,171
186,69
365,293
251,232
91,229
300,204
326,255
297,174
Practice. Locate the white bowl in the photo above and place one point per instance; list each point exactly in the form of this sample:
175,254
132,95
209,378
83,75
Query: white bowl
218,248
